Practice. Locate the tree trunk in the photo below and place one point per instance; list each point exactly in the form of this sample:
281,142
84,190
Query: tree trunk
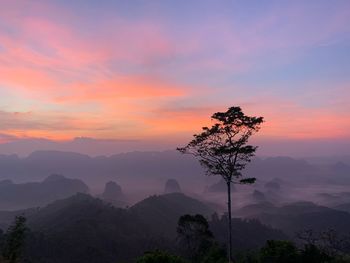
229,222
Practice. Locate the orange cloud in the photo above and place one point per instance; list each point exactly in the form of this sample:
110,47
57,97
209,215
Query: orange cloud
111,82
26,79
287,119
122,87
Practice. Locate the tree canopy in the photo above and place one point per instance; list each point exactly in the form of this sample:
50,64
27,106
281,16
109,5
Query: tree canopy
223,148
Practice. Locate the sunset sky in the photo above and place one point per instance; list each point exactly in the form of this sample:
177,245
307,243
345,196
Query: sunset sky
158,69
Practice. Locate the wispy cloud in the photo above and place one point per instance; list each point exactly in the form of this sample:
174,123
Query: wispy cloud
99,72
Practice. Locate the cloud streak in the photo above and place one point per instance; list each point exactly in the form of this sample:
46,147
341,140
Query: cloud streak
104,73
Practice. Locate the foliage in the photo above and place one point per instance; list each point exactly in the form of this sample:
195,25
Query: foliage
14,240
287,252
161,213
194,235
329,241
84,229
215,254
247,234
277,251
313,254
160,257
222,149
342,259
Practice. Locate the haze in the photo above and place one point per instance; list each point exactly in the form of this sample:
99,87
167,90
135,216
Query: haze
96,96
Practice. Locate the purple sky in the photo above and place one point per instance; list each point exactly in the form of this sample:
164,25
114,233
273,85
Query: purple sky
154,71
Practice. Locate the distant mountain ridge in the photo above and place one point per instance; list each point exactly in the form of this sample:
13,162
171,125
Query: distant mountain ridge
93,170
148,166
33,194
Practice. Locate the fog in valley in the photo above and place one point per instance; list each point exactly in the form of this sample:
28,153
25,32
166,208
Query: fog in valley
145,193
45,176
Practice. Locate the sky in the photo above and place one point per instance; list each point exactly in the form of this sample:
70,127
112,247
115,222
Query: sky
157,70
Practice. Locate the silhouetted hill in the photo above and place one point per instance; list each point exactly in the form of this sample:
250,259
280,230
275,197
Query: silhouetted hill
18,196
90,229
113,194
172,186
246,234
253,210
298,216
258,196
162,212
77,208
86,229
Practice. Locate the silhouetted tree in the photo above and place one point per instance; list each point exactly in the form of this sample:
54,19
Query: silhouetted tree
223,150
14,240
194,235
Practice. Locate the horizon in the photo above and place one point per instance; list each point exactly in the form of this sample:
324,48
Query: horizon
93,147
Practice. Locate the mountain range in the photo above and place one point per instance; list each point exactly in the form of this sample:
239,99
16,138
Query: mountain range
153,169
95,231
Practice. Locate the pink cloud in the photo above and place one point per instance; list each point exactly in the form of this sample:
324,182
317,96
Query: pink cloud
59,63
